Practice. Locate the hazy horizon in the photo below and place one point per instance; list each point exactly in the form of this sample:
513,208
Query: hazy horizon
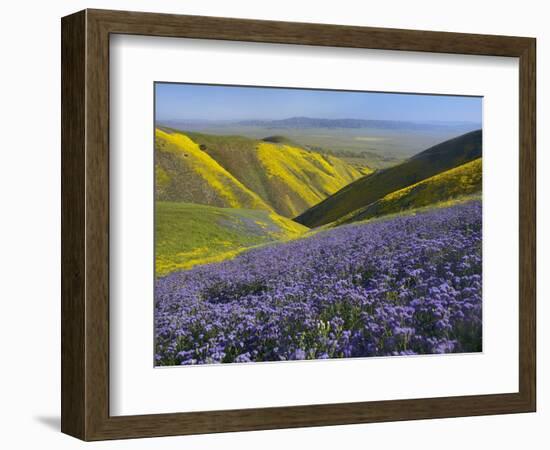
273,119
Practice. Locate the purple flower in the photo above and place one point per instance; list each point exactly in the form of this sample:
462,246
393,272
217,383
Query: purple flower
399,286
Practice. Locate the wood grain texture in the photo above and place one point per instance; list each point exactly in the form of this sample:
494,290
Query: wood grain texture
97,225
85,224
201,27
527,224
73,227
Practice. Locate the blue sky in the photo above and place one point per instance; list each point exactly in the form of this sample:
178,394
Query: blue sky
213,102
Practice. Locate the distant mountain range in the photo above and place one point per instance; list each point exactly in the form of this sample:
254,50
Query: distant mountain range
312,122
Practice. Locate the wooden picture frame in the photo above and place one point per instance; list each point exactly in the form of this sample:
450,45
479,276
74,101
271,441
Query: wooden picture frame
85,224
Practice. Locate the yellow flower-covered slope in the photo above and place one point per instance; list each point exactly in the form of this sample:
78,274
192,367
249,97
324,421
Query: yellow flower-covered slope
187,235
305,177
235,171
454,184
184,172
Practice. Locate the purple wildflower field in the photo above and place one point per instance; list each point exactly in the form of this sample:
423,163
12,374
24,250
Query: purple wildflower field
399,286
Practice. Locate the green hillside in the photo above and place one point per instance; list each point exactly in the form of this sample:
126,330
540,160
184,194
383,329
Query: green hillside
183,172
188,234
369,189
283,176
464,180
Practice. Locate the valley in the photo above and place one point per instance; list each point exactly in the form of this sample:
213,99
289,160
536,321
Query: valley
218,196
303,224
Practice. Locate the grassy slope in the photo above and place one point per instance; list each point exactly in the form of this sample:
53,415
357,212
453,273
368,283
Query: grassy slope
464,180
184,172
299,179
367,190
188,234
286,177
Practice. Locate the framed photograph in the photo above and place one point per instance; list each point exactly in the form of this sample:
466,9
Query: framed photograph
274,225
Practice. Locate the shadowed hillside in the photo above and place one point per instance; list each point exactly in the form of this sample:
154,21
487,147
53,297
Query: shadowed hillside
280,175
462,181
187,235
369,189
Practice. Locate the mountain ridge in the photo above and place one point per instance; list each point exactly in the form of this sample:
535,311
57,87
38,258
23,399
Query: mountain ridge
277,176
344,122
459,182
313,122
364,191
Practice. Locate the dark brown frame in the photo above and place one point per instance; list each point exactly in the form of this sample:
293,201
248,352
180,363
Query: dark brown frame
85,224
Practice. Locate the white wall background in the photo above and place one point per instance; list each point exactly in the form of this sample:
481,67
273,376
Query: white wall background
30,221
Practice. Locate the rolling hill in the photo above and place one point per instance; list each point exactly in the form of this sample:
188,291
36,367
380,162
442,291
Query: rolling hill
453,184
297,179
377,144
259,174
184,172
189,234
369,189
